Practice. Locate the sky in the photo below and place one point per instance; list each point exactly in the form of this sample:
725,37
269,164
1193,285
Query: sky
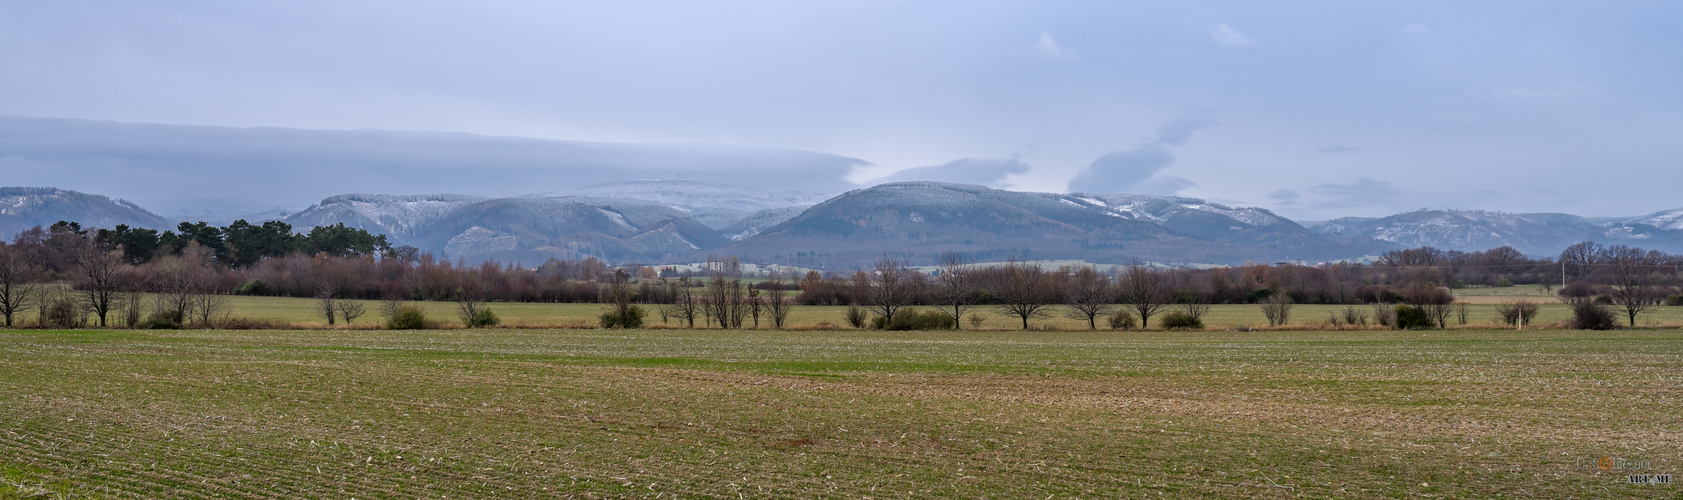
1312,109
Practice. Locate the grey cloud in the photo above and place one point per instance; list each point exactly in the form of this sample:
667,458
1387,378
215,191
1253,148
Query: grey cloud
985,171
1176,132
1363,192
1285,197
1139,170
273,165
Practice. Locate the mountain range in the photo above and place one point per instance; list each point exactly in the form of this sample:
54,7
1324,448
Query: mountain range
681,220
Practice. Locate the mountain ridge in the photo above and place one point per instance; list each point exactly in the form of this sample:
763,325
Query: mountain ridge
916,219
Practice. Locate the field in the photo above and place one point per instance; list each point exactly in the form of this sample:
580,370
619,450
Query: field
800,414
1482,304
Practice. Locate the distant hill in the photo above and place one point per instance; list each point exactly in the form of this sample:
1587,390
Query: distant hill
22,208
717,206
399,217
1542,234
918,220
522,229
673,221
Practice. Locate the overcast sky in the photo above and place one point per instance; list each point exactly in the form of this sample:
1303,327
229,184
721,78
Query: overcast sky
1314,109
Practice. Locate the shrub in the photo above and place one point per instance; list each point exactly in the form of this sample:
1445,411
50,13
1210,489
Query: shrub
631,317
1180,320
1674,300
253,287
1516,313
855,316
1412,317
1504,283
161,320
1258,295
1384,315
1122,321
62,311
484,317
1589,315
1577,289
913,319
407,318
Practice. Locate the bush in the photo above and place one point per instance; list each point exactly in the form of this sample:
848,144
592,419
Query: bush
1122,321
1180,320
1674,300
484,317
1577,289
1589,315
1384,315
253,287
1517,313
61,311
1504,283
1258,295
913,319
162,321
1412,317
407,318
632,317
855,316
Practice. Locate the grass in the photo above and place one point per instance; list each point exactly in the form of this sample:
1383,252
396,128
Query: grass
302,312
799,414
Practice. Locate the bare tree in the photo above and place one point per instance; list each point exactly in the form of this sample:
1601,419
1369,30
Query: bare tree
686,303
1580,259
326,302
208,305
17,287
1436,302
1634,276
1025,291
892,287
350,310
98,278
1142,289
172,282
1090,296
1196,310
1277,308
470,302
724,302
777,299
755,305
956,285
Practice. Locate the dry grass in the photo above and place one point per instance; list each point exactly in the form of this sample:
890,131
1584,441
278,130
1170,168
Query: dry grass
663,413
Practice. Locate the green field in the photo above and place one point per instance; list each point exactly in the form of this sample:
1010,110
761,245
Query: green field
760,414
301,313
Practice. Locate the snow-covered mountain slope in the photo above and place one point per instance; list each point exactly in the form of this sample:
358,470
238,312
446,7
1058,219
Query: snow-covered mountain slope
751,225
921,219
399,217
1665,219
1537,234
718,206
22,208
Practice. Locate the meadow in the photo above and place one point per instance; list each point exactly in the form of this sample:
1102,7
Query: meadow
856,414
1481,314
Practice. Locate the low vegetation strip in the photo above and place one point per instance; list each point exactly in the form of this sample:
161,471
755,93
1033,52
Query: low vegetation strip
786,414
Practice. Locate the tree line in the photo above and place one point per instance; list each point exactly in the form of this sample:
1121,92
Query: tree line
128,276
